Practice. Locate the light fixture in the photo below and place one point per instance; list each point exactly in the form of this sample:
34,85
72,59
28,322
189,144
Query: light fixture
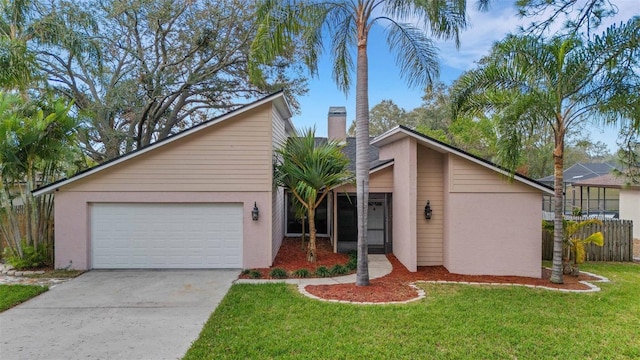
427,210
255,213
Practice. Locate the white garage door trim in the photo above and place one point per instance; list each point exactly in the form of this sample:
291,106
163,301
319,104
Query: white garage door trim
166,235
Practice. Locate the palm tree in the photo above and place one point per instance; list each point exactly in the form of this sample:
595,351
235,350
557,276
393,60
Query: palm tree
23,22
309,171
38,145
559,84
347,24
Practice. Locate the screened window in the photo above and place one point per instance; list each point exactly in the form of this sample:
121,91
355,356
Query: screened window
294,225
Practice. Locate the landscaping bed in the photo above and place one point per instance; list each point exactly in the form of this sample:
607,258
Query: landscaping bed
291,258
393,287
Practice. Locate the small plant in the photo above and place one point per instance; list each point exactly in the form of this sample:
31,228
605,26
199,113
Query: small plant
245,272
278,273
32,257
302,273
338,269
352,264
322,271
575,241
255,274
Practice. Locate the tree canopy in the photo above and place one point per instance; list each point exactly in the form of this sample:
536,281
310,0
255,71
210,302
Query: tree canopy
138,71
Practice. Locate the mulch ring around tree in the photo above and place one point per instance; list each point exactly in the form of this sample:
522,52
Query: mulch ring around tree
396,286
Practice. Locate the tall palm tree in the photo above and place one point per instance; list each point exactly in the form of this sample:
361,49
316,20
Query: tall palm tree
560,83
346,25
309,171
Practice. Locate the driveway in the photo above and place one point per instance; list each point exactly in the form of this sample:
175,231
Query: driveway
115,315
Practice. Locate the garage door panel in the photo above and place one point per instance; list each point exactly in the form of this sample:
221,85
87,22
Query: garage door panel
166,235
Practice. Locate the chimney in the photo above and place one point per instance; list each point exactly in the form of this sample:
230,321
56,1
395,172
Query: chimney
337,123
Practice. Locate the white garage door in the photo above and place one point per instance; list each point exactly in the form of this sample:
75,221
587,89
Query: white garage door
155,236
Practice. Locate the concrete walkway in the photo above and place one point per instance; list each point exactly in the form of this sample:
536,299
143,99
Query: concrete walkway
379,266
129,314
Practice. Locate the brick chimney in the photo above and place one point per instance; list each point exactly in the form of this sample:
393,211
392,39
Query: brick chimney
337,123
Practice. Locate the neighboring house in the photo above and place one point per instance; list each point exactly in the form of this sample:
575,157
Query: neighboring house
629,197
575,197
187,202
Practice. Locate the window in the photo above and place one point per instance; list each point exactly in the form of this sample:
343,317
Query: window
294,226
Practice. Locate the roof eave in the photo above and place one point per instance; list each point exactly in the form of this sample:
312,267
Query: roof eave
400,131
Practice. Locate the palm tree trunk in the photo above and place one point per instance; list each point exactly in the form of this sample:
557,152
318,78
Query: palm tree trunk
304,230
311,251
362,160
558,162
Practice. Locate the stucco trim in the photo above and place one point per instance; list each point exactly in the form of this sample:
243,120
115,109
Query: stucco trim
400,132
278,100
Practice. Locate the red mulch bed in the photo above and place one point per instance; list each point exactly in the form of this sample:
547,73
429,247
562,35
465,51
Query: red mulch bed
291,257
395,287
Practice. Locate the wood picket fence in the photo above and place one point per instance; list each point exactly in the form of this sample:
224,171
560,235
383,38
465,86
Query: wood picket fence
618,240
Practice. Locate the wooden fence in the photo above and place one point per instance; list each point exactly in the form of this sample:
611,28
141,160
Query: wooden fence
618,241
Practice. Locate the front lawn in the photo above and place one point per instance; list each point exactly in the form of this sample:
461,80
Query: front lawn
12,295
453,321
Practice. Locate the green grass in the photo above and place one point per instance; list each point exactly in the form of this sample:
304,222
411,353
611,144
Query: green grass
12,295
452,322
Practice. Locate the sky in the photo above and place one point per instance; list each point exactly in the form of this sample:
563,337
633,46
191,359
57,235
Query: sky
384,76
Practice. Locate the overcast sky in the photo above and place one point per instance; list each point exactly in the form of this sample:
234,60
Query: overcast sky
385,83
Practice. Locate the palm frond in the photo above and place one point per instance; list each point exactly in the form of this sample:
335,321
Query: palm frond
444,19
416,54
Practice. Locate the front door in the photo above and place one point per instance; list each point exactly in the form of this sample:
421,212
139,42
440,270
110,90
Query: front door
377,229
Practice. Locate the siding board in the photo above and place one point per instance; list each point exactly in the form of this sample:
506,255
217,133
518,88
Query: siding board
465,176
234,155
430,233
380,181
278,138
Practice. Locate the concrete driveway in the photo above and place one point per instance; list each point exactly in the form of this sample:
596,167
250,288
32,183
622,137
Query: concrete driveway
115,315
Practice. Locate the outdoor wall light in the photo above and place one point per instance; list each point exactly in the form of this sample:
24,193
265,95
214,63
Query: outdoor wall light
427,210
255,213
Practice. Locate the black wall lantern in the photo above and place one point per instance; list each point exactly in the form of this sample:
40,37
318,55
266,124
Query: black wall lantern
427,210
255,213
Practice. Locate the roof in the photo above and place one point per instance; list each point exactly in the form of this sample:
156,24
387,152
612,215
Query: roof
278,99
581,171
350,150
606,181
401,131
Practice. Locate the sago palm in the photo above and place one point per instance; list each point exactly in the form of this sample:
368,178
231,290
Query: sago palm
346,26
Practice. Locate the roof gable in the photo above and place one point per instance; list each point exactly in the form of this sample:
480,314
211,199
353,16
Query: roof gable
277,99
400,132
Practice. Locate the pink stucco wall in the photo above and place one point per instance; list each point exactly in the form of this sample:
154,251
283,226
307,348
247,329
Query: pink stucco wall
404,199
494,234
73,243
